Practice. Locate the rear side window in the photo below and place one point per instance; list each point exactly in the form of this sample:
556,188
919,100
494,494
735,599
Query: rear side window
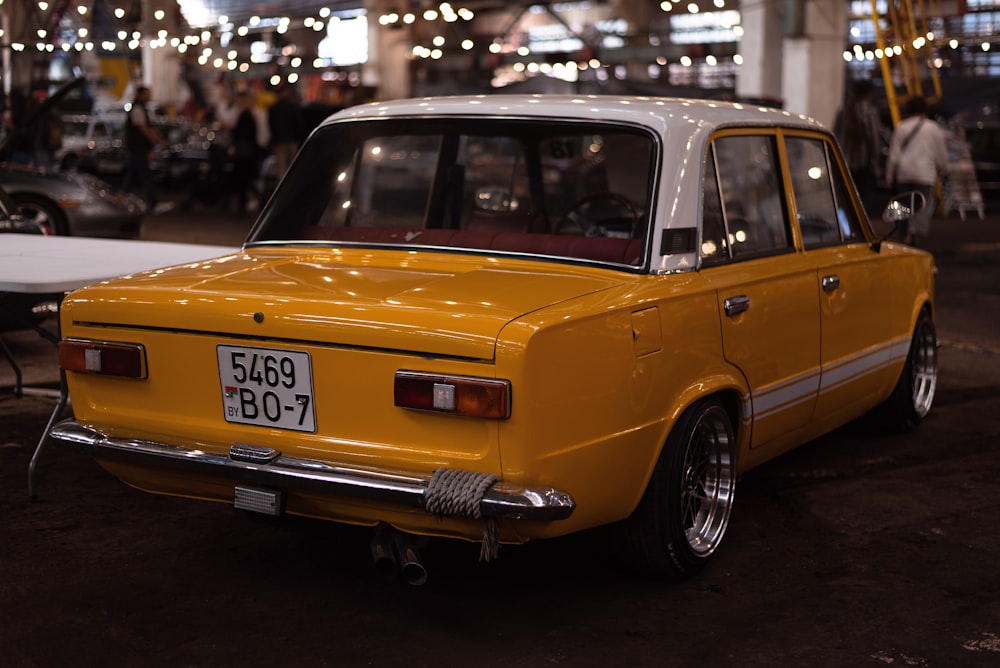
743,194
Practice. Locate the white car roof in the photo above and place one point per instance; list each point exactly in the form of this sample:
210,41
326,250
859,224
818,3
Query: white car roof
653,112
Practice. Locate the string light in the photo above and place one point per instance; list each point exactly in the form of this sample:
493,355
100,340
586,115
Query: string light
222,31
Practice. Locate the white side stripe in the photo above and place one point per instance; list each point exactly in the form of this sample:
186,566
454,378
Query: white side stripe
795,391
787,394
849,369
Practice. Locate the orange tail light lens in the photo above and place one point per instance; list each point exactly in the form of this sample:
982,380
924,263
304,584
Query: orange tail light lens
455,395
124,360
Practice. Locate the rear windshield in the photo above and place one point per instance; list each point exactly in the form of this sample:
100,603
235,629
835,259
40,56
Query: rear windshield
560,190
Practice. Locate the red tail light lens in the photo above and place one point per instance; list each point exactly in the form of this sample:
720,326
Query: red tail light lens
456,395
125,360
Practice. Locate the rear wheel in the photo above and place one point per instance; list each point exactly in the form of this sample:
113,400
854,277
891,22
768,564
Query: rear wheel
44,213
913,396
682,518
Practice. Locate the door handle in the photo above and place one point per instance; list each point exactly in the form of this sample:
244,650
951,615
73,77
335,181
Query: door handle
830,283
735,305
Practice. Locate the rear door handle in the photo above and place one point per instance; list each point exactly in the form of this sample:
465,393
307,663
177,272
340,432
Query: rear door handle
735,305
830,283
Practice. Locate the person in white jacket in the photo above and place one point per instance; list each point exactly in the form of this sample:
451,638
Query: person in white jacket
918,157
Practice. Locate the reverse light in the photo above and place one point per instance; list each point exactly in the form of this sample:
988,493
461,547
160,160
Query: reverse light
124,360
455,395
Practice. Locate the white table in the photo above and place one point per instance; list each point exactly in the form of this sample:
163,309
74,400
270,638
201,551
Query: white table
36,264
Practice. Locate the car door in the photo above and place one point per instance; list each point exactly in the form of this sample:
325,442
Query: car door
766,291
863,330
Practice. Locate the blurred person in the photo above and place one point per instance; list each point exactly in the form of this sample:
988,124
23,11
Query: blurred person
49,138
858,129
44,129
35,135
16,110
288,129
140,139
918,157
245,152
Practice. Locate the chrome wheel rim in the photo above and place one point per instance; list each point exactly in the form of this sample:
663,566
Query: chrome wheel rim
923,368
38,216
708,482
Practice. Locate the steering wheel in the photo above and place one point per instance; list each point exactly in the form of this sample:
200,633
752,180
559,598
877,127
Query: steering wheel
577,216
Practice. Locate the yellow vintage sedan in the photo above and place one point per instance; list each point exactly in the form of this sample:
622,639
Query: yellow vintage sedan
506,318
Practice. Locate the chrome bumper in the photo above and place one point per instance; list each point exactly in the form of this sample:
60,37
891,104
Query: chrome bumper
257,466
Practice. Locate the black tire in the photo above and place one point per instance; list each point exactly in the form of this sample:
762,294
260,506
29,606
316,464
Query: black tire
683,515
43,212
913,396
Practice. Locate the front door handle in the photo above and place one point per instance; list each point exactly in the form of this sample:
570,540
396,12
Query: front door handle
735,305
830,283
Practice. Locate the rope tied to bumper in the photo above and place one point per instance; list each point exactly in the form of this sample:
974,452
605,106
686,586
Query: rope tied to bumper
457,493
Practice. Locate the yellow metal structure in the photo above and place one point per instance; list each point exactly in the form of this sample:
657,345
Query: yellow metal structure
905,42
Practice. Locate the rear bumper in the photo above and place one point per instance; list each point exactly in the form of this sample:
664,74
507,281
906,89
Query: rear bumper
258,466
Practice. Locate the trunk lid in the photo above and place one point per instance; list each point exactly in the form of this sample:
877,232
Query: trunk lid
428,303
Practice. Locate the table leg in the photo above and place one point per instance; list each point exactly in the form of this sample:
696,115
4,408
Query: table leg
56,414
18,381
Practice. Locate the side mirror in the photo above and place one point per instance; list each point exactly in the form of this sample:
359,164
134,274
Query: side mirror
897,211
903,207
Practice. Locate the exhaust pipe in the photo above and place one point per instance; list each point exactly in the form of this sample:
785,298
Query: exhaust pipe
408,559
383,554
395,551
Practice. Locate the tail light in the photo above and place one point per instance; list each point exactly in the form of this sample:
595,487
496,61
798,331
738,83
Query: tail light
455,395
124,360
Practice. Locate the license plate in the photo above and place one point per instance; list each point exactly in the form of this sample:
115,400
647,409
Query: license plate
267,387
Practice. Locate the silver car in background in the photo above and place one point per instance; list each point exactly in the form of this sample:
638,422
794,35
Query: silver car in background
94,143
72,203
64,201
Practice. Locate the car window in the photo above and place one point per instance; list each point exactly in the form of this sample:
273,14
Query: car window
607,170
175,132
746,188
495,181
386,183
848,216
572,190
714,244
78,129
826,214
75,128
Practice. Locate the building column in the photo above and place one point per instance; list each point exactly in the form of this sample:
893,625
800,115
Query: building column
161,66
388,67
812,62
761,48
793,50
161,71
